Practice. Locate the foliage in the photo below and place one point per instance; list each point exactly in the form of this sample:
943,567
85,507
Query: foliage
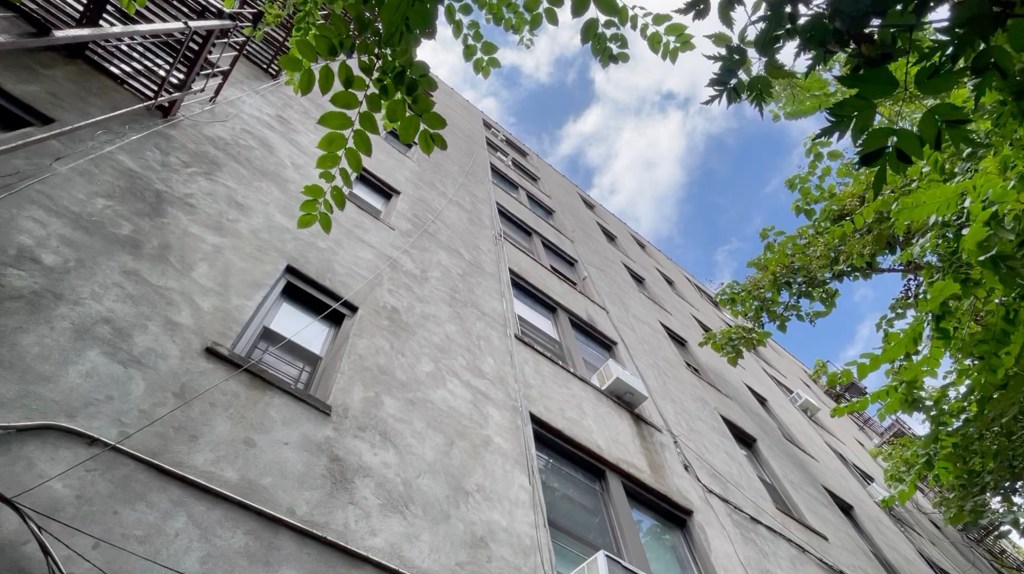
931,193
922,99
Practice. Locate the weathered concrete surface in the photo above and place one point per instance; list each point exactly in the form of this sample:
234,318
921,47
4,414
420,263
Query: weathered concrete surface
115,274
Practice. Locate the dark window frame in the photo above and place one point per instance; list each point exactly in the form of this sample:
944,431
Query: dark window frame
682,347
619,491
507,140
640,281
704,293
371,179
17,115
525,196
391,137
540,249
703,326
671,284
299,287
611,238
774,487
566,324
849,513
787,433
590,205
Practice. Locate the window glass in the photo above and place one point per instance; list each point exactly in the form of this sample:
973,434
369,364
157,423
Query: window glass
594,353
576,511
640,282
765,478
376,197
664,542
505,183
290,319
561,264
540,209
538,314
516,233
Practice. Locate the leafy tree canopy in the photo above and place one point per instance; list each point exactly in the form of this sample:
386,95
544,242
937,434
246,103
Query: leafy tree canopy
916,172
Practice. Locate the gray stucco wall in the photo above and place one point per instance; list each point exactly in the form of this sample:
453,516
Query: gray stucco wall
115,275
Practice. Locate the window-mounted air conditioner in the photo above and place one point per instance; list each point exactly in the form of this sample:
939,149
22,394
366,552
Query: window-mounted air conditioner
604,563
804,403
615,381
497,135
877,491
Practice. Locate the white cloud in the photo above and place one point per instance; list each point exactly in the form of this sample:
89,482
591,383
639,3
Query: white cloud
552,52
725,261
865,338
863,294
445,58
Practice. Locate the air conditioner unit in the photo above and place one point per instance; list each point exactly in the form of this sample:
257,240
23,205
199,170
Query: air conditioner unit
877,491
604,563
615,381
804,403
498,135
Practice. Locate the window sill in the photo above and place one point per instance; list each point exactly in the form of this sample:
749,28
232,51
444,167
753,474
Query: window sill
658,303
801,522
367,211
644,419
799,447
226,354
577,286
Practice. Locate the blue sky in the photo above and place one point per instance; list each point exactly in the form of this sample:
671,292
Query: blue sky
699,182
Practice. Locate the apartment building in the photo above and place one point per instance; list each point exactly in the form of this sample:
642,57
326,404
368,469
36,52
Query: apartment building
480,370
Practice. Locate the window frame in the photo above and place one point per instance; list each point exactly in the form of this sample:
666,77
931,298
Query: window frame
506,139
391,137
611,238
747,441
17,109
849,513
641,283
373,180
619,491
784,429
590,205
671,284
704,293
524,196
566,324
539,247
301,288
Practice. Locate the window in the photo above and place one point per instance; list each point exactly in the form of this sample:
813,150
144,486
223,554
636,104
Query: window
497,134
704,293
543,211
588,204
17,115
505,183
640,282
610,237
671,284
931,564
786,433
701,324
372,196
590,508
391,136
640,244
859,473
747,445
550,256
683,348
847,510
295,334
552,331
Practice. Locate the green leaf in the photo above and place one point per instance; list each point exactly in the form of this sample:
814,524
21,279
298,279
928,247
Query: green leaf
439,141
725,10
719,39
910,143
488,48
395,110
314,191
307,79
872,83
329,160
931,80
335,121
306,220
551,15
578,8
675,29
332,142
361,141
346,100
654,42
469,52
325,222
589,29
426,144
326,80
354,160
368,122
373,102
338,197
408,128
661,20
531,6
310,206
607,7
345,75
291,63
434,121
306,49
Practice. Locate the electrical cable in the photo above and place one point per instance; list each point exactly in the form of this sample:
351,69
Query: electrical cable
99,539
251,362
77,553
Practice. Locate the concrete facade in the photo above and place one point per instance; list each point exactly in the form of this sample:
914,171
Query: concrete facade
118,272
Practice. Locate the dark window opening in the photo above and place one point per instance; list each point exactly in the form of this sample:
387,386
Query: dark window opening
847,511
17,115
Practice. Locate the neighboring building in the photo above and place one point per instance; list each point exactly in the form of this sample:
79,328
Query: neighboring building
437,416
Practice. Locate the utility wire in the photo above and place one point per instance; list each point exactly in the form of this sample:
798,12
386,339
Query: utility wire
99,539
253,361
68,546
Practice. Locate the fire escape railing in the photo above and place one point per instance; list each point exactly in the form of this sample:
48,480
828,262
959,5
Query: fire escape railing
163,53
